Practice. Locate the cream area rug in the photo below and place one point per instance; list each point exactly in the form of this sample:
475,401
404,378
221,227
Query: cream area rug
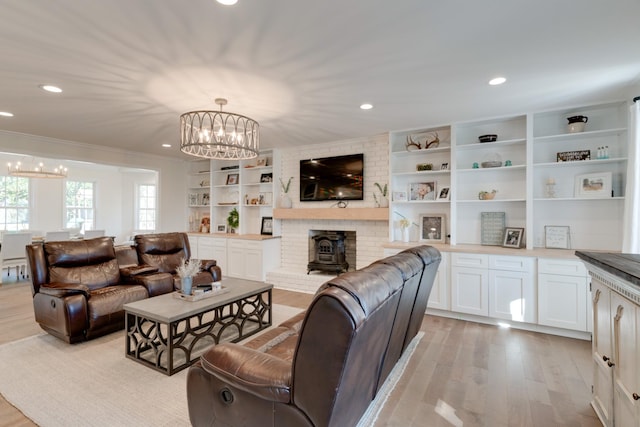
94,384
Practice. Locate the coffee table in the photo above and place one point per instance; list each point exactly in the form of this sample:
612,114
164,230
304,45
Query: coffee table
169,334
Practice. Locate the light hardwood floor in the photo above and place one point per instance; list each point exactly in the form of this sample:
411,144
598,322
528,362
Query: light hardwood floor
478,374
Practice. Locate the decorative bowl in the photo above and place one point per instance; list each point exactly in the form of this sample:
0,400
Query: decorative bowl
486,195
493,164
488,138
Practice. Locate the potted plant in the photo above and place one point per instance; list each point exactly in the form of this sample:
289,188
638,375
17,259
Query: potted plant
285,200
233,220
186,270
384,201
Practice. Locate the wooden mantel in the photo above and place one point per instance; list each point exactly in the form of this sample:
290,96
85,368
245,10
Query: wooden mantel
353,214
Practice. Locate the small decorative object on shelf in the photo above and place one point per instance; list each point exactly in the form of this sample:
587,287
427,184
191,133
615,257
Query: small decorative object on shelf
557,237
513,237
233,220
492,160
475,165
492,228
383,201
573,156
444,167
404,226
508,163
551,188
485,195
424,167
488,138
576,123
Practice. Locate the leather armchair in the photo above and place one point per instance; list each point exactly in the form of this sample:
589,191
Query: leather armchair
165,251
78,291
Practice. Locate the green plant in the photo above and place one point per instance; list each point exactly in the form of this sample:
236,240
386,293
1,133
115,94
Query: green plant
383,190
233,220
285,188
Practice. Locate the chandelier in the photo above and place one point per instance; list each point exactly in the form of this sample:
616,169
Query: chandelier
218,134
36,172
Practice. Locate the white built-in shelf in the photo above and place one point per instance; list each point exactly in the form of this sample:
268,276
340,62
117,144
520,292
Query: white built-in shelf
580,163
495,144
580,135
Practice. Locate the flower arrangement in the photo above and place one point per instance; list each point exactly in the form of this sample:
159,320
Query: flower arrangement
404,223
188,268
285,187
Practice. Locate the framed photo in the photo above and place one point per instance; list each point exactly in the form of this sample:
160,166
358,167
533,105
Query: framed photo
593,185
205,224
267,225
433,228
232,178
444,193
399,196
513,237
444,166
221,228
422,191
261,161
266,177
557,237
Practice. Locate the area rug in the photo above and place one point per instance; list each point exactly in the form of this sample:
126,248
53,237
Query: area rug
94,384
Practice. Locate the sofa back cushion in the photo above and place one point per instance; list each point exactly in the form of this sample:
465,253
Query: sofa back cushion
90,262
163,250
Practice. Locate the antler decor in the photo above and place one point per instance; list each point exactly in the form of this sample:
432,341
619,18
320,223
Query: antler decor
434,143
412,143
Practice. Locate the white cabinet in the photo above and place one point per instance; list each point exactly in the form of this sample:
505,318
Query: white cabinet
252,259
209,247
470,283
616,376
439,297
562,294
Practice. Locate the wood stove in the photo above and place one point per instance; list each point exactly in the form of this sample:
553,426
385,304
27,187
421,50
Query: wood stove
328,252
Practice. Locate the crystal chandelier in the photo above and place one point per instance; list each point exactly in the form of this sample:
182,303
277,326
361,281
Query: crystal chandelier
17,169
218,134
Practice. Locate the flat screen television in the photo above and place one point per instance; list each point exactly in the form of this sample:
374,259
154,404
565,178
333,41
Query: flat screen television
332,178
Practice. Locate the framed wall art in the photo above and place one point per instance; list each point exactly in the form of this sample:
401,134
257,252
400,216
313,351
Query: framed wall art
422,191
232,178
593,185
492,226
444,193
557,237
433,228
513,237
399,196
267,225
221,228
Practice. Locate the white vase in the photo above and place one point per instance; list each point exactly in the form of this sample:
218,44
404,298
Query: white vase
285,201
383,202
405,234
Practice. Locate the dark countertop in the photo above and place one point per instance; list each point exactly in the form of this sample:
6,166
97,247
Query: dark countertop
625,266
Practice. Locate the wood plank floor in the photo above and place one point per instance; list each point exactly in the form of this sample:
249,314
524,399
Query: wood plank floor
462,373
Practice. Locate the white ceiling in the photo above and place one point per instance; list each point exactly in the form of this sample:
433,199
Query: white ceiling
301,68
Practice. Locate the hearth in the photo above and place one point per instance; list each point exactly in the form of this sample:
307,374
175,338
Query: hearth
328,251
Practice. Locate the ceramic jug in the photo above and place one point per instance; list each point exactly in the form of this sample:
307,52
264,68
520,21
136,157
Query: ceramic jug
576,123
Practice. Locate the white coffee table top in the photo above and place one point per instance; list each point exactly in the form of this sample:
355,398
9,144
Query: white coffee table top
166,308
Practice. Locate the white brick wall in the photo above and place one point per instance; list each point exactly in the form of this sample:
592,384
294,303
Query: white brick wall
370,235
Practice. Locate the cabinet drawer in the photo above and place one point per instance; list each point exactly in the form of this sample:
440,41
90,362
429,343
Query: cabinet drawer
561,266
511,263
470,260
244,244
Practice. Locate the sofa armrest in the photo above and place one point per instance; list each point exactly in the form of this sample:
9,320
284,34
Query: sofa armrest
60,290
258,373
156,283
136,270
206,264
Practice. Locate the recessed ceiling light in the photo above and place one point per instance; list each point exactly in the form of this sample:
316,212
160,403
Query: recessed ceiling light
6,114
227,2
50,88
497,81
366,106
166,145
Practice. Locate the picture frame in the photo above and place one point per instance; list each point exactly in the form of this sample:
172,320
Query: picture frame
419,191
593,185
221,228
492,225
444,193
399,196
232,178
205,224
513,237
433,228
557,237
267,225
266,177
261,161
444,167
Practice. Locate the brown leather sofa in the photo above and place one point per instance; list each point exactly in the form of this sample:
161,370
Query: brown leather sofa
324,366
79,290
165,251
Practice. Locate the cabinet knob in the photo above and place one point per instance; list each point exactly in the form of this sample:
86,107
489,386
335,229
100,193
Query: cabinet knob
608,360
636,396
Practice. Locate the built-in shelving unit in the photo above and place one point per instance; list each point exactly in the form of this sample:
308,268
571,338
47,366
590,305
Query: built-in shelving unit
526,150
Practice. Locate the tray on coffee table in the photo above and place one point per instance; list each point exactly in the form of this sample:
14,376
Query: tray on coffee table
199,296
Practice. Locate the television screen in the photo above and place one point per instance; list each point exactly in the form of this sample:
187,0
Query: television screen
332,178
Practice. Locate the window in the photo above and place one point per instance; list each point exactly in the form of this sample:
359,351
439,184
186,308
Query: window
146,207
14,203
80,205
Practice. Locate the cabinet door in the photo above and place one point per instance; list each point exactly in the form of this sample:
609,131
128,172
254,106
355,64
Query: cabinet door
235,261
602,397
512,296
205,248
562,301
470,290
439,297
625,375
253,264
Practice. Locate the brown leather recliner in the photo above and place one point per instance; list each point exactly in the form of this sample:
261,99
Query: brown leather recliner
322,367
165,251
78,290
